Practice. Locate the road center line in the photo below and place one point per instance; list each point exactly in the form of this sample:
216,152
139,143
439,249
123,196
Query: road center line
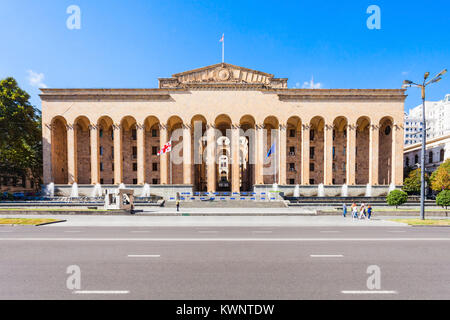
326,255
262,231
144,256
101,292
369,292
226,239
330,231
140,231
207,231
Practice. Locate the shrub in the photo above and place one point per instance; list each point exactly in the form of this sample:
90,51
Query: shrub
443,198
396,198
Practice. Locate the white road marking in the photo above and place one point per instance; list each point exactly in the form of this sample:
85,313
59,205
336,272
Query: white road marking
227,239
330,231
208,231
369,292
5,230
396,231
72,231
140,231
144,256
262,231
101,292
326,255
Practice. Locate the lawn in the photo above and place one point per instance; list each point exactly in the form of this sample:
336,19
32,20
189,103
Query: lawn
426,222
25,221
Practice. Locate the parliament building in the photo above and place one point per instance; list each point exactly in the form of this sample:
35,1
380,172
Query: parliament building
231,129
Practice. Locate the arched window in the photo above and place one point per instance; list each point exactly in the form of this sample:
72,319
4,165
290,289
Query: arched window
407,162
430,157
441,155
416,159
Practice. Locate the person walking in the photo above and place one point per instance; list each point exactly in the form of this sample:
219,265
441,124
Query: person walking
362,211
344,210
354,211
369,211
178,205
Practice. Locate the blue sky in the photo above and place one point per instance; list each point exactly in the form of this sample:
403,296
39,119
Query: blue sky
129,44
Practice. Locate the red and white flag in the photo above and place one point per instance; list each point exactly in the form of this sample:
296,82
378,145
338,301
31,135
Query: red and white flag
223,37
167,148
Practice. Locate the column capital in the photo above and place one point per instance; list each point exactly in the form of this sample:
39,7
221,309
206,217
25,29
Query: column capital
398,126
374,127
210,126
163,126
259,126
70,126
282,126
235,126
49,126
93,127
116,126
306,126
328,126
186,126
351,126
140,126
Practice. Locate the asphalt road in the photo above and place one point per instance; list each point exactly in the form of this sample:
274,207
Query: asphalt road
225,262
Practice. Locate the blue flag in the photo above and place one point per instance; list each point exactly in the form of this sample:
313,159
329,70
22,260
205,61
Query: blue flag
271,150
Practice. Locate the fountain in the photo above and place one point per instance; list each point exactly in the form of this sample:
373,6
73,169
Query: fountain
49,190
74,191
297,191
121,186
275,187
368,190
97,191
344,190
391,187
146,191
321,190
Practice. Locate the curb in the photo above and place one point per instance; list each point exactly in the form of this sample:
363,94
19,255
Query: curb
46,223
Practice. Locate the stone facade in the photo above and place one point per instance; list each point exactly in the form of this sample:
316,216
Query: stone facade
329,136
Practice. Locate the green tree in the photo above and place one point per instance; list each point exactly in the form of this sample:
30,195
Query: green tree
20,133
396,198
440,179
443,198
411,184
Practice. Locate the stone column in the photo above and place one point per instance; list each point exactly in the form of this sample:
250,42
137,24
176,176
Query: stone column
163,158
351,154
305,154
397,154
71,154
118,165
187,165
211,159
328,154
235,177
95,163
47,153
140,143
259,150
373,154
282,156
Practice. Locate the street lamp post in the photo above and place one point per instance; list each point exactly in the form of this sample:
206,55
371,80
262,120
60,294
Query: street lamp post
407,84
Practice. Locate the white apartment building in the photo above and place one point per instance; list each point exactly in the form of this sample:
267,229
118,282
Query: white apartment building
437,117
438,134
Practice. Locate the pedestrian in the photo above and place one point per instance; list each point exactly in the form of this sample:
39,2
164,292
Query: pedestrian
369,211
354,211
362,211
344,210
178,205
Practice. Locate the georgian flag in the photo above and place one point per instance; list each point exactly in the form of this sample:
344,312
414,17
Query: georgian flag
223,37
167,148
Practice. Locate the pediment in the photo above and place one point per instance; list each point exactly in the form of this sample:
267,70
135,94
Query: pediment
222,74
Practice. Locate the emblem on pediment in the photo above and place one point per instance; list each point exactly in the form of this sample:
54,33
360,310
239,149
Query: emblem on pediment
223,74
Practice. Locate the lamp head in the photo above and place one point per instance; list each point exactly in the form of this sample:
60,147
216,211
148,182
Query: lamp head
426,75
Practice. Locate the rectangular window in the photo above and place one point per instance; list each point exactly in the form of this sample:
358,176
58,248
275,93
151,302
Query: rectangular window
154,151
311,135
100,133
133,134
134,166
134,152
134,181
291,181
292,133
311,152
311,167
155,181
154,133
101,166
291,166
154,166
101,150
311,181
101,181
334,152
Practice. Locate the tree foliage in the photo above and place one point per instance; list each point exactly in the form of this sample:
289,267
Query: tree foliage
411,184
20,132
443,198
396,198
440,179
